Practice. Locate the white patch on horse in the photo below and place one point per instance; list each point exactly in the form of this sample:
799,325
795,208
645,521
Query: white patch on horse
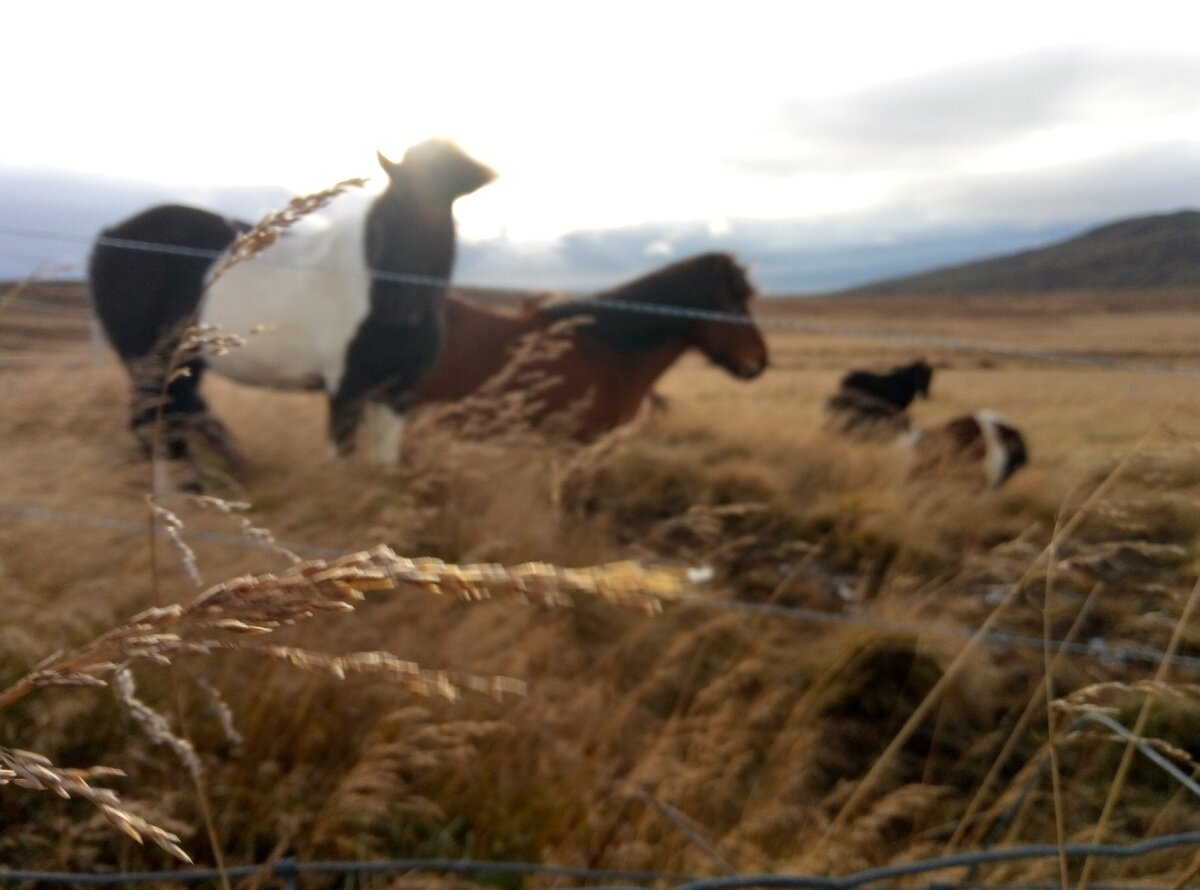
995,454
382,428
311,290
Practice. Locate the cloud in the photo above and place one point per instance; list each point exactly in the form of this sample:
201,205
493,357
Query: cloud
1151,179
931,221
944,116
927,224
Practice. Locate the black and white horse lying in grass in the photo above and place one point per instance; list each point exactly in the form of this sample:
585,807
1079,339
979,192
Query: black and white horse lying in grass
983,446
352,306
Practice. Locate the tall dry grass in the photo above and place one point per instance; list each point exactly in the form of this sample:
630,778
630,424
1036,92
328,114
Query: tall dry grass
702,737
253,605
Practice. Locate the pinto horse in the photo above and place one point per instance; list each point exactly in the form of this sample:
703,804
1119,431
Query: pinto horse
626,338
352,306
983,446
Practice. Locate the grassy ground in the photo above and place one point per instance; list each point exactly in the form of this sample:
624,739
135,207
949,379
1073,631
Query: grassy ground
695,740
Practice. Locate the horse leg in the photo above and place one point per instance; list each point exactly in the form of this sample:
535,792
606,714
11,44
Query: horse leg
383,362
384,428
361,400
156,390
185,402
168,409
346,407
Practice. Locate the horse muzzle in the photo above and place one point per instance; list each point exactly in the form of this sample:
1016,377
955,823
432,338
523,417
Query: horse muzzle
750,370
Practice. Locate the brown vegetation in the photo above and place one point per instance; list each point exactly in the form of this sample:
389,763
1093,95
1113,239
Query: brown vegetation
697,737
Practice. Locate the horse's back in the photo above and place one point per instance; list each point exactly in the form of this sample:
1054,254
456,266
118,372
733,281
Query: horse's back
310,291
146,273
478,344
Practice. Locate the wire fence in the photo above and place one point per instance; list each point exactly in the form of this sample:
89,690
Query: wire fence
789,325
290,870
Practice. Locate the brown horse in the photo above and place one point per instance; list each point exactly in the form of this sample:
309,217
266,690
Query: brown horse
612,349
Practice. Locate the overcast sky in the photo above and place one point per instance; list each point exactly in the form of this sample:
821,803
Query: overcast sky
613,114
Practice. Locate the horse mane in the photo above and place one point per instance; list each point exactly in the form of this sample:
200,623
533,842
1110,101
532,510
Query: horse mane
712,282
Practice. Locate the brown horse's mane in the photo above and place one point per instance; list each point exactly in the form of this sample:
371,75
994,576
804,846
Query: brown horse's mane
710,281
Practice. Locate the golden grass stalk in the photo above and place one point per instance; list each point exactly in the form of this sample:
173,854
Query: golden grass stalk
173,526
1092,698
1162,746
267,231
153,723
220,709
1138,729
260,604
1062,532
686,827
247,529
1018,730
25,769
1047,685
223,615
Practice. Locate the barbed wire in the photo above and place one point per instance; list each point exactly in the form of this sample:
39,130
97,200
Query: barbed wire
210,254
289,869
790,325
953,860
1098,648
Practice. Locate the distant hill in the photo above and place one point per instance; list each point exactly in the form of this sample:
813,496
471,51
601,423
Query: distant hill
1146,252
48,218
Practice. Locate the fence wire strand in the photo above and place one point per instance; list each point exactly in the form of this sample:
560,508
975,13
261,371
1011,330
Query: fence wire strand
789,325
290,868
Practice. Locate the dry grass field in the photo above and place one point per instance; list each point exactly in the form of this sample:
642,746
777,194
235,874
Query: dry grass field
854,726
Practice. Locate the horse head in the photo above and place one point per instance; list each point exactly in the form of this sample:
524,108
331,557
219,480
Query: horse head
440,168
735,344
920,373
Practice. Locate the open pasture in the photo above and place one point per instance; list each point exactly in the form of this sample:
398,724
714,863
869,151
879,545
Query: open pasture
696,740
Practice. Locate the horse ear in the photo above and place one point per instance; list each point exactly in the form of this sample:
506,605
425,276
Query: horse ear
389,167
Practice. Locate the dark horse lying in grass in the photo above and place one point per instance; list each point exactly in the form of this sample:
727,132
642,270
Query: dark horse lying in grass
352,306
605,365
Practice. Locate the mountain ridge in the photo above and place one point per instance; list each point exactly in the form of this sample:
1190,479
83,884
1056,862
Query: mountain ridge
1157,250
